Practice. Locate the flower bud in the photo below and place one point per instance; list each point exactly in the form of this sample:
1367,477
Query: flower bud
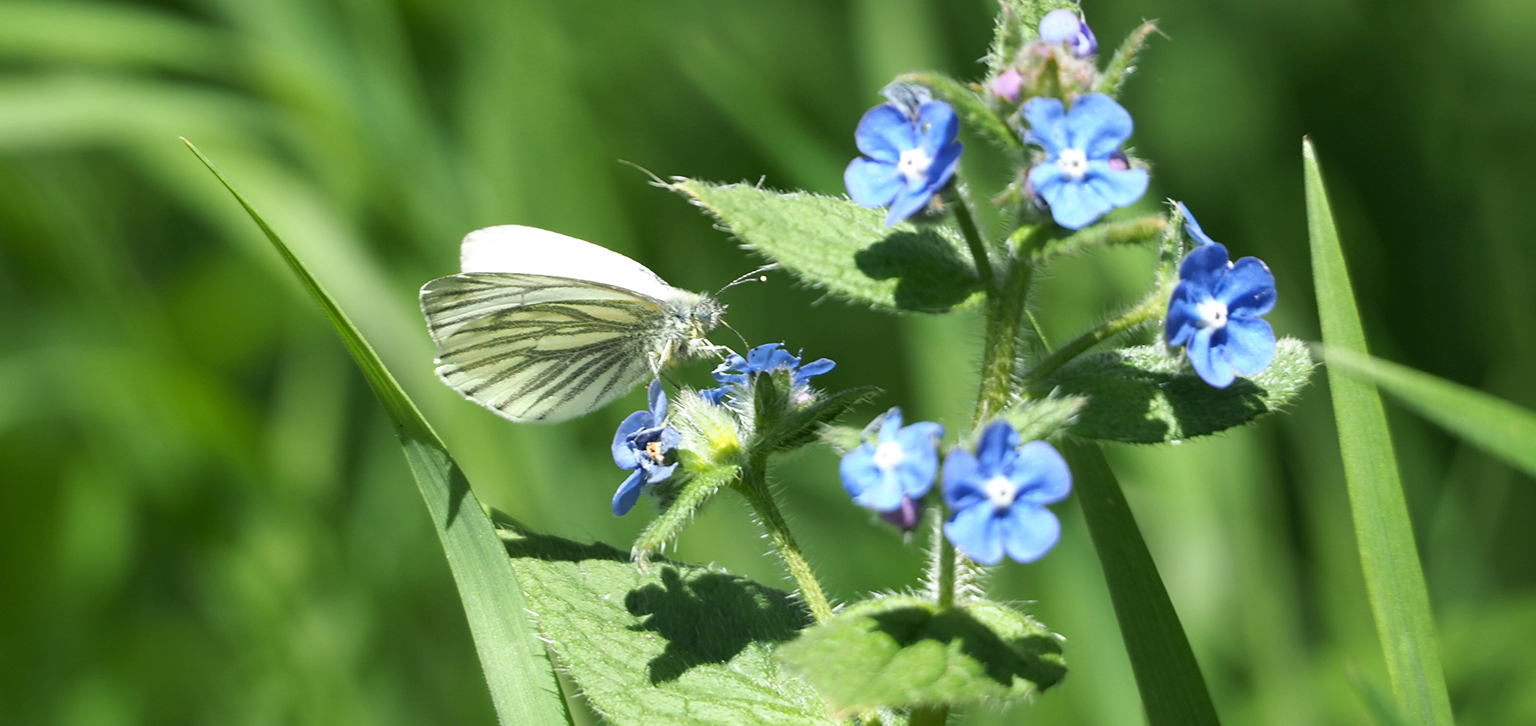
1062,26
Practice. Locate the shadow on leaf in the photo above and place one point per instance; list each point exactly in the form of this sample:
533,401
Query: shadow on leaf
1034,658
931,276
710,617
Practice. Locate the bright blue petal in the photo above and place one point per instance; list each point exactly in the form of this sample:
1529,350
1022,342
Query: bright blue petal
1183,313
962,480
977,532
908,202
1120,187
656,398
670,438
1097,125
770,357
863,481
1073,204
654,473
715,396
890,425
919,442
872,184
1029,532
941,127
1207,359
996,448
629,492
944,165
1193,228
1248,289
1047,125
1205,266
623,454
1041,473
1250,345
884,133
813,369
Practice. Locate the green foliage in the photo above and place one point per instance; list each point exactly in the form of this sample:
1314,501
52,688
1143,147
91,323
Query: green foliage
1499,427
1042,418
903,651
1141,395
1172,689
1130,232
1383,530
680,502
845,249
674,645
517,670
1123,64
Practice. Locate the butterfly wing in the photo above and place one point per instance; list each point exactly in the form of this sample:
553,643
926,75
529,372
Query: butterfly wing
535,348
533,251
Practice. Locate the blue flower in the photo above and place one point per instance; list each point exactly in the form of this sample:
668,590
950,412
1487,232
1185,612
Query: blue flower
1084,174
641,445
899,465
907,159
737,371
1063,26
1215,311
998,497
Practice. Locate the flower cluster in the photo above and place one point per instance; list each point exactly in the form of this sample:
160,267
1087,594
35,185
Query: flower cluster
736,372
1215,311
644,444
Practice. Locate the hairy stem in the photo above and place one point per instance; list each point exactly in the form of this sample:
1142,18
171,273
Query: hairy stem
1144,311
754,486
1006,322
973,239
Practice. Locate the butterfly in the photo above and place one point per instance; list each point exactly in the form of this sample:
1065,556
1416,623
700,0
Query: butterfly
541,327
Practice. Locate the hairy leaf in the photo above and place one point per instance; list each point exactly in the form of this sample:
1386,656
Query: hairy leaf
1123,63
1042,418
1141,395
673,645
901,651
845,249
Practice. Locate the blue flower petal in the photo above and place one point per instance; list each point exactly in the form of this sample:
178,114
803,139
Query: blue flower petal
1205,265
872,183
623,455
920,465
656,400
1119,187
944,165
890,425
1248,288
859,472
996,448
1030,532
1193,228
815,368
884,133
1183,314
939,127
1060,26
977,531
629,492
1097,125
1250,345
962,480
714,396
1073,205
1047,125
770,357
1042,475
908,201
1206,356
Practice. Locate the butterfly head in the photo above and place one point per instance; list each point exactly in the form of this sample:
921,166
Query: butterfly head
703,316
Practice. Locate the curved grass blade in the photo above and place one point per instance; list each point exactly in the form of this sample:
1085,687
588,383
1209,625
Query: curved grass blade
1492,424
1172,689
1388,554
517,668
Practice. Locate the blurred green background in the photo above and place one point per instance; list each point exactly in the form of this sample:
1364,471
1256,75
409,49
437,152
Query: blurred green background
205,519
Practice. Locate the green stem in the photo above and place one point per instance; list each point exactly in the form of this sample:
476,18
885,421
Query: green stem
935,715
754,486
944,564
1146,310
973,239
1005,324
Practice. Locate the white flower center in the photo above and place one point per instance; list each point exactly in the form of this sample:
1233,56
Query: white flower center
914,165
888,456
1073,163
1001,491
1213,314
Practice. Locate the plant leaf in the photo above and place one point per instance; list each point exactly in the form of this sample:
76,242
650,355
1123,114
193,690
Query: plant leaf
1123,63
680,504
1497,426
675,645
1140,395
517,668
970,107
845,249
1113,234
902,651
1172,690
1383,530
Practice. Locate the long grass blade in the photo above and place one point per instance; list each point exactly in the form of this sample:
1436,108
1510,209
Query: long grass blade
1492,424
517,668
1172,689
1383,531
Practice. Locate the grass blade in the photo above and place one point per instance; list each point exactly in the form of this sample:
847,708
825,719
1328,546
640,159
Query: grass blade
1172,690
517,668
1492,424
1383,531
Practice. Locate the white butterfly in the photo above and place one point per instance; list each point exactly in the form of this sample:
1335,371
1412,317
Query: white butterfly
542,327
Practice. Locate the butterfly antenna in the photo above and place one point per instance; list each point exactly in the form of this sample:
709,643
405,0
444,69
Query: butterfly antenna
744,344
753,276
